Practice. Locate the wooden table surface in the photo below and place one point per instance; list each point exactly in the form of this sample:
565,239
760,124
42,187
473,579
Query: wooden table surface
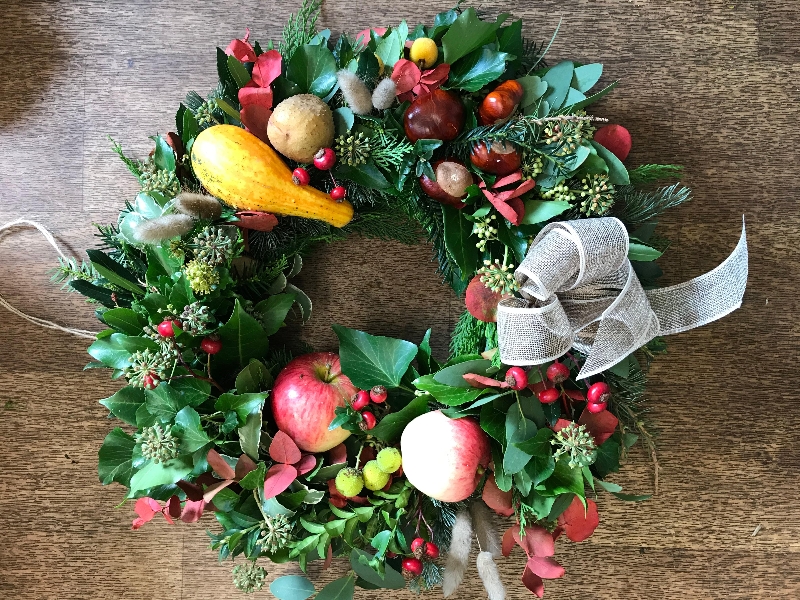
708,84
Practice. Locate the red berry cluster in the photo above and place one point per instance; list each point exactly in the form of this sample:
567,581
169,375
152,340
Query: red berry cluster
170,327
557,373
324,161
421,550
361,400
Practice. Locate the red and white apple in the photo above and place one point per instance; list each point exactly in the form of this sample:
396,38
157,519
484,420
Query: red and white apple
305,397
444,458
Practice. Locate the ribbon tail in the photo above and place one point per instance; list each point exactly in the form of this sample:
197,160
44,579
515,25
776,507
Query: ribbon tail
703,299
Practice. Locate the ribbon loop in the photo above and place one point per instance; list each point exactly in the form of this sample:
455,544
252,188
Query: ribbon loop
579,290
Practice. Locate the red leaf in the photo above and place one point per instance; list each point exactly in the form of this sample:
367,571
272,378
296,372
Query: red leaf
533,582
601,425
363,36
435,77
257,221
241,49
252,95
244,465
579,523
537,541
279,477
194,491
481,382
213,490
406,76
503,208
173,508
146,508
306,464
575,394
192,511
496,499
508,179
255,119
267,68
508,541
220,465
337,454
560,424
545,567
328,557
283,449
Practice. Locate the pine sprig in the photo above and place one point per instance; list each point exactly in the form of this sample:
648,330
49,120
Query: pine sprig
385,225
71,270
389,151
635,207
134,166
469,336
649,173
300,28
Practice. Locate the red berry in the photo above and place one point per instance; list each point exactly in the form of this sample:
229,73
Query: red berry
324,159
300,176
412,566
378,394
149,382
558,372
167,328
338,193
360,400
549,396
598,393
596,407
431,550
369,420
517,378
418,546
211,345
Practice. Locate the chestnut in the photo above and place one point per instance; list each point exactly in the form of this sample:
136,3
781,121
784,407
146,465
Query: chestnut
499,105
451,175
500,159
437,115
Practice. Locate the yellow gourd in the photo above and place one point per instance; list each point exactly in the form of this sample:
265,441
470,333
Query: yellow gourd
241,170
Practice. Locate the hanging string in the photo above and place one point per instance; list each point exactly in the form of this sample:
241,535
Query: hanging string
36,320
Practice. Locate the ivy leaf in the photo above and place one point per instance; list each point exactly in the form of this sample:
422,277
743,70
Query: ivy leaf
370,360
192,437
392,425
477,69
273,311
292,587
242,338
460,245
125,403
242,404
442,22
255,377
313,69
558,79
642,252
447,394
539,211
166,400
125,320
468,33
116,458
155,474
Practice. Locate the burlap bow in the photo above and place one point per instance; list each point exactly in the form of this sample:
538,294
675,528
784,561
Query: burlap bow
579,291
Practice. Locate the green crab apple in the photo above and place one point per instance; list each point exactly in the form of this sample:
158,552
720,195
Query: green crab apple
306,394
444,458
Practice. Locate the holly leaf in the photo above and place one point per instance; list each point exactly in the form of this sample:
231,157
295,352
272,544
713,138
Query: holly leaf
459,242
392,425
242,338
125,320
170,397
125,403
370,360
477,69
116,458
283,449
467,33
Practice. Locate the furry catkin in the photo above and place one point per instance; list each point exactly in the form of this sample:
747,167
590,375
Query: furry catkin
198,206
384,94
487,570
458,555
355,92
484,528
163,228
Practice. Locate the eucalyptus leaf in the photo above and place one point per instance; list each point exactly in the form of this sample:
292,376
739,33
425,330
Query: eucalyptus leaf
339,589
533,88
558,79
292,587
617,173
540,211
585,76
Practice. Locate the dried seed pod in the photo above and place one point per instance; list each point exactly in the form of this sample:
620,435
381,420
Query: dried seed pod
163,228
384,94
199,206
355,92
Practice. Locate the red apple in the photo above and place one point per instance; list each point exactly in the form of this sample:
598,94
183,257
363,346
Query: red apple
444,458
306,394
482,302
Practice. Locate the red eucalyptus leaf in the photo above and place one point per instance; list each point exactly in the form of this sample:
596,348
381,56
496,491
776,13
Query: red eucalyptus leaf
503,181
267,68
220,465
252,95
279,477
508,540
173,508
192,511
328,558
545,567
406,76
601,425
255,119
496,499
482,382
244,465
257,221
579,523
435,77
213,490
533,582
283,449
241,49
560,424
194,491
575,395
363,36
146,508
337,454
306,464
537,541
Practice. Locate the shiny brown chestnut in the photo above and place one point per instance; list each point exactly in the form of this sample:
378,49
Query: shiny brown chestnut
499,105
499,159
444,168
437,115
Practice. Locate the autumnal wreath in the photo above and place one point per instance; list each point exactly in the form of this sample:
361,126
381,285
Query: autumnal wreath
458,132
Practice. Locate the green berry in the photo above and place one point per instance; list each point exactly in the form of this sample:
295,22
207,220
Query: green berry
374,477
349,482
389,460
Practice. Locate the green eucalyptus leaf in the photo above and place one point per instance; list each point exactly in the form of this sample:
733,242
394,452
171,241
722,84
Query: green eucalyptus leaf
370,360
292,587
339,589
642,252
533,88
617,173
585,76
558,79
594,98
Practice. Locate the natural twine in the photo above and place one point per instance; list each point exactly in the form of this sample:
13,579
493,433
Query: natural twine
36,320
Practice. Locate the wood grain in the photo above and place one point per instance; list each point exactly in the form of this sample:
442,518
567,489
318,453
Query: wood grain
709,84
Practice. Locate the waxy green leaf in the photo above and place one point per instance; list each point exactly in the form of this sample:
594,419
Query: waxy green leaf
116,458
477,69
125,403
242,339
370,360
